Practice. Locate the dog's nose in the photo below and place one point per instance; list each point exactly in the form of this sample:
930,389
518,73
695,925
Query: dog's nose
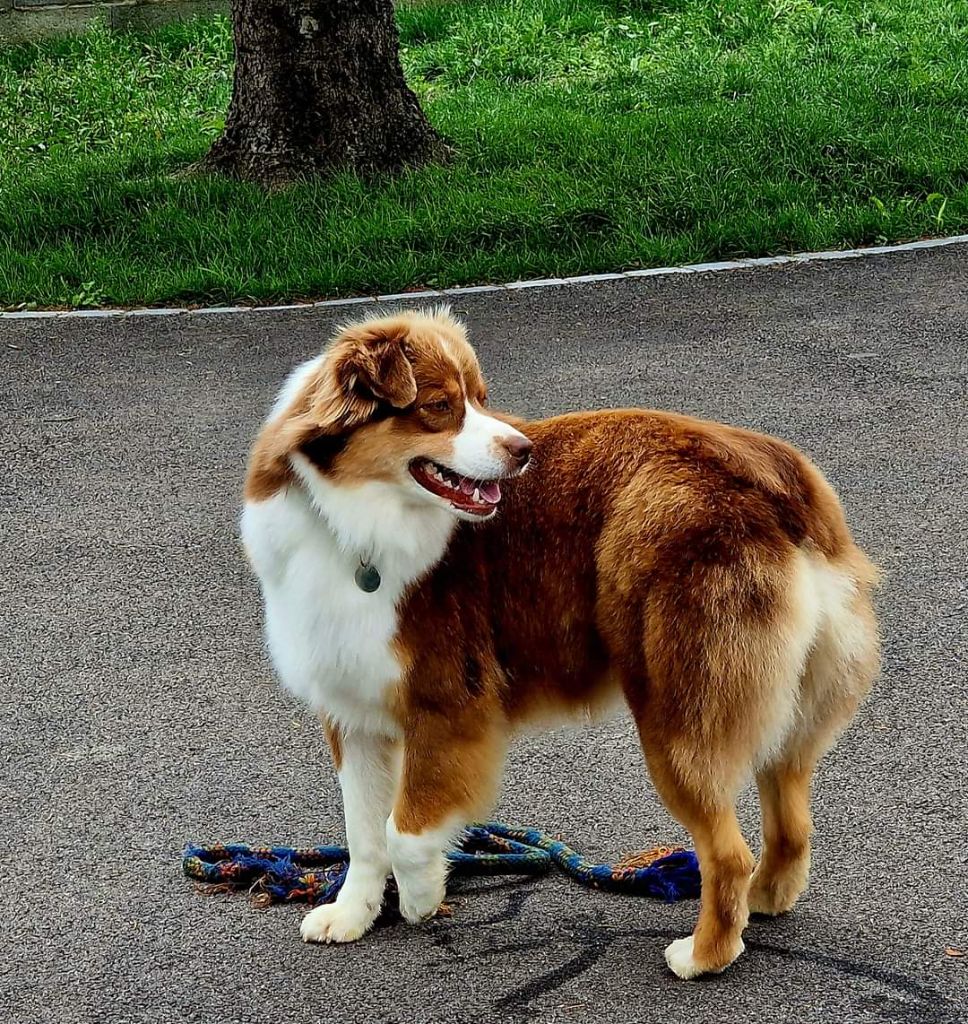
519,448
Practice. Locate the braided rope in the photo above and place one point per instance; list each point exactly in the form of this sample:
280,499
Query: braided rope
277,874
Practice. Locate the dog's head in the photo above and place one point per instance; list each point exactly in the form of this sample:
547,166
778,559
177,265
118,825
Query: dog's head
399,400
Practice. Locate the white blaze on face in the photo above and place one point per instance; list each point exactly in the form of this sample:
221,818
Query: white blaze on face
479,450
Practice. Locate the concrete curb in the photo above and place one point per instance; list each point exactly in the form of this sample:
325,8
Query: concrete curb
547,282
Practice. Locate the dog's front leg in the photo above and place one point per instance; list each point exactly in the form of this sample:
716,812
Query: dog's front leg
368,769
450,775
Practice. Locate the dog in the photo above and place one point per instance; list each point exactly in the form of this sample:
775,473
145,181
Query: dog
436,575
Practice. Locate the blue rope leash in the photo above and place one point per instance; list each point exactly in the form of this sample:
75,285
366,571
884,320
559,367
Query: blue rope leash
277,874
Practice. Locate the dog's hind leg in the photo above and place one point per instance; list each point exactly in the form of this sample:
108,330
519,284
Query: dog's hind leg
725,862
784,866
838,674
725,647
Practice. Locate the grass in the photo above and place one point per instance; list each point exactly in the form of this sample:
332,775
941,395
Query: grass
591,135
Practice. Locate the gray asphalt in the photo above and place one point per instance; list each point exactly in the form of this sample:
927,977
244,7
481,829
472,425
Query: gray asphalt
138,711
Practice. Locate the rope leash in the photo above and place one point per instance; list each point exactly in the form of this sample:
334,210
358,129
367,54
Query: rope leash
281,874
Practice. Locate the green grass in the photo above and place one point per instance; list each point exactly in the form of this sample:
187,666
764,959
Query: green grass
590,135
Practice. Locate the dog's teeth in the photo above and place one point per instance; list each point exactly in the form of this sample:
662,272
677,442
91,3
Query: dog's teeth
477,494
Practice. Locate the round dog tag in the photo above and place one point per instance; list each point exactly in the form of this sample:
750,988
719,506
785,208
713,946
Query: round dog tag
367,577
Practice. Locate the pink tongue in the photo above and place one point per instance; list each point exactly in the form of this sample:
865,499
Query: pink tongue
491,491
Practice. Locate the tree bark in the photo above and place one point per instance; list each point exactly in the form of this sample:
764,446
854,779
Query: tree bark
318,87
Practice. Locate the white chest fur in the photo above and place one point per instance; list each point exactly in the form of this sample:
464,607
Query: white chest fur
332,643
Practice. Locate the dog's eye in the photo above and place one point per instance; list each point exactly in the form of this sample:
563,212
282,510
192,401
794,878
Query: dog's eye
442,406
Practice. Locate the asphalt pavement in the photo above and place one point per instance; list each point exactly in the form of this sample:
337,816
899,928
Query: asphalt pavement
138,712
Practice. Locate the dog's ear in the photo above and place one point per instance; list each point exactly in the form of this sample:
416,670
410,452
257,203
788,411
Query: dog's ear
377,364
367,365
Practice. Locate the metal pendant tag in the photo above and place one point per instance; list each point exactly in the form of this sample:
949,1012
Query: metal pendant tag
367,577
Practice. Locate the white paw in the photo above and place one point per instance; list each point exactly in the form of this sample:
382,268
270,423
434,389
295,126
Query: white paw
336,922
420,868
682,963
678,956
421,898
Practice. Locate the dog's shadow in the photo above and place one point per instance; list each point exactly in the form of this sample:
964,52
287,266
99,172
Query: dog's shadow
585,941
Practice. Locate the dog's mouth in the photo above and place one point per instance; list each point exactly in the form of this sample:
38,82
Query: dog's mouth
477,497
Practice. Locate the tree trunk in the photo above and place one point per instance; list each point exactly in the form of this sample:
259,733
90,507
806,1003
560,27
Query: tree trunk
318,87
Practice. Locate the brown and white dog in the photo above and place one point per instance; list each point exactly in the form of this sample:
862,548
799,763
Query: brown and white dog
705,573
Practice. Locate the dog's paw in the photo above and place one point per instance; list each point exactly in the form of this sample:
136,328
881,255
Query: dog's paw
777,894
335,922
420,869
422,900
680,956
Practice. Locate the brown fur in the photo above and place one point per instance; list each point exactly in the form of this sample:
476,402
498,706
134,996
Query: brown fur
335,739
402,363
644,553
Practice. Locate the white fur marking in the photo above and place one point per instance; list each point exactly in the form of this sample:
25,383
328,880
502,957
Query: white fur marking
679,956
790,646
477,447
330,642
821,632
293,385
341,921
368,778
420,867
